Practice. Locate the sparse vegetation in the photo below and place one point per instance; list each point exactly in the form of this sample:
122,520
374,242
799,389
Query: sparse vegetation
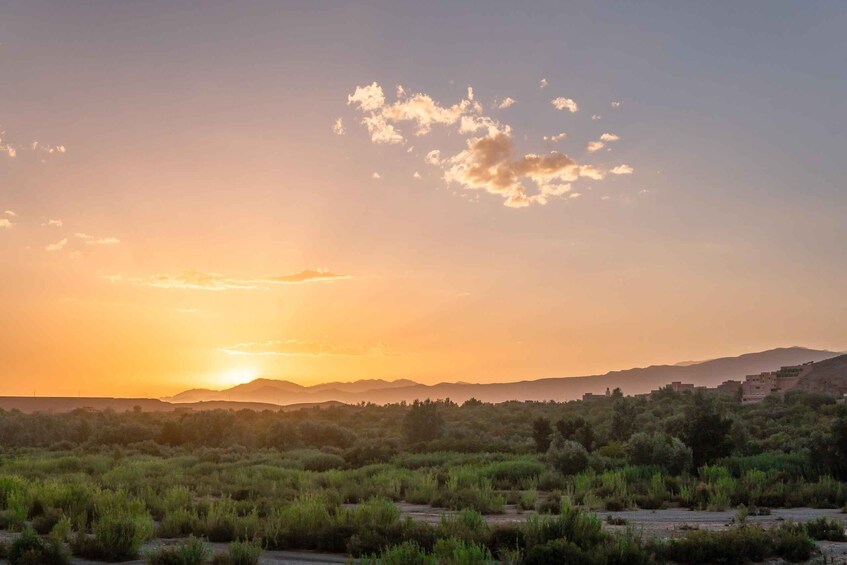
332,480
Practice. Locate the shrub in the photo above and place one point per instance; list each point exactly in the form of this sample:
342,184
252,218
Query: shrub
793,544
244,553
44,523
557,551
823,529
191,552
29,549
323,462
568,457
407,553
457,552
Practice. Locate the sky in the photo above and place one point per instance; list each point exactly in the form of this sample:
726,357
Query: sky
196,194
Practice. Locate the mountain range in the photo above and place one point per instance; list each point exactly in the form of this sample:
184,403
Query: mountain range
631,381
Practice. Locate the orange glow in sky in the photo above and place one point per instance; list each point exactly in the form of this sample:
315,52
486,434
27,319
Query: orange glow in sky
197,198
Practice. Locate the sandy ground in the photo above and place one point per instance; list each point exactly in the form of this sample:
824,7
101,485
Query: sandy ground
660,523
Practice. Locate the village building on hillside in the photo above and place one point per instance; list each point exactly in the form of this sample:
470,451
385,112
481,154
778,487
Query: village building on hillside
757,387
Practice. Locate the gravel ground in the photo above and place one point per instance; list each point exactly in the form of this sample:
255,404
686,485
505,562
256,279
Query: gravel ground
660,523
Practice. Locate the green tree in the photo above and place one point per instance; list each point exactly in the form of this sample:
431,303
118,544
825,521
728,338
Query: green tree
423,422
541,431
624,413
566,456
706,432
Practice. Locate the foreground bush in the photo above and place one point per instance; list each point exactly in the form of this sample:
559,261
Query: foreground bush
29,549
239,553
192,552
739,545
116,538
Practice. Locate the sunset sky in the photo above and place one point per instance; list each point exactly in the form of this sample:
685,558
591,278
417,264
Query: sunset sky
196,194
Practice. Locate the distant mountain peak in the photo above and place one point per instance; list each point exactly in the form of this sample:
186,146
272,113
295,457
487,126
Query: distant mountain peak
632,381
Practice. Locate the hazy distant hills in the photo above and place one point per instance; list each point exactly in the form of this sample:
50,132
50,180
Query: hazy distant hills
631,381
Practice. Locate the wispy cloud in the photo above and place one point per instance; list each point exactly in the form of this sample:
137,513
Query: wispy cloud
555,138
93,240
197,280
57,246
53,223
6,223
542,83
338,127
562,103
601,143
622,170
10,213
616,104
294,347
505,103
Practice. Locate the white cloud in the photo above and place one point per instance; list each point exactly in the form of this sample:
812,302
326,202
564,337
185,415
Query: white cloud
433,157
10,213
381,131
376,176
489,162
542,83
369,98
616,104
562,103
6,224
401,92
338,127
83,235
57,246
622,170
53,223
595,146
596,117
506,103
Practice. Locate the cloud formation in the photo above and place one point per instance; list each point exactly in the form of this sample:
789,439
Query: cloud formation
338,127
562,103
197,280
489,161
53,223
542,83
10,213
506,103
5,223
622,170
294,347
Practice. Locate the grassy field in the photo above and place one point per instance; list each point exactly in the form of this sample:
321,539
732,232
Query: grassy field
336,481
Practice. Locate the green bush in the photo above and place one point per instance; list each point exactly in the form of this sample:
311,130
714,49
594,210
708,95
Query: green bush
406,553
557,551
823,529
457,552
191,552
567,457
29,549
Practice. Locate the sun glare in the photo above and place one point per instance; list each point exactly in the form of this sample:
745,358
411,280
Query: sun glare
236,376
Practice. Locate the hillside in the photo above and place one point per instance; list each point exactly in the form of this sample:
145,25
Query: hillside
829,377
631,381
